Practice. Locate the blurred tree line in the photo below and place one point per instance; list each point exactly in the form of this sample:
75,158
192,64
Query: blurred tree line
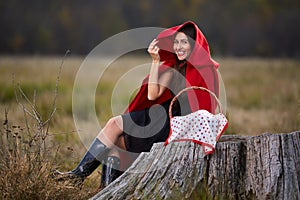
232,27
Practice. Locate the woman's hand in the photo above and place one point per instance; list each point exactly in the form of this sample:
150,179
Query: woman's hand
157,83
153,51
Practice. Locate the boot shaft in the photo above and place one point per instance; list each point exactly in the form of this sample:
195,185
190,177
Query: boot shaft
92,159
110,171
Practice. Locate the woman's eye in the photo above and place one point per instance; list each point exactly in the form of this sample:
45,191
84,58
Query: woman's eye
175,42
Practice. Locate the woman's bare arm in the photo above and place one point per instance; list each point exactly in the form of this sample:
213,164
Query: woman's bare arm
157,84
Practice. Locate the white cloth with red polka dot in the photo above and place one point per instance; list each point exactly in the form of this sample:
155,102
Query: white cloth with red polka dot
201,127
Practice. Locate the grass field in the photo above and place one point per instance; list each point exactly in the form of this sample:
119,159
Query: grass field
263,95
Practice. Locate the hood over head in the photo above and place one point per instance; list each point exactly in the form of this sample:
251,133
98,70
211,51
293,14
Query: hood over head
200,55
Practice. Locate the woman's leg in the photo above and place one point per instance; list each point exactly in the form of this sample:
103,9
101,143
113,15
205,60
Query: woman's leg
112,132
112,136
99,149
110,168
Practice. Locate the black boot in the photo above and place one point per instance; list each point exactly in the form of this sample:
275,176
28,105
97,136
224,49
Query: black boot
90,161
110,171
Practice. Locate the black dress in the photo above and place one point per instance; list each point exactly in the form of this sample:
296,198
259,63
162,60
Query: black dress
144,128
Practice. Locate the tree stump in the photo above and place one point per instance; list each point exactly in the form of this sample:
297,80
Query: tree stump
242,167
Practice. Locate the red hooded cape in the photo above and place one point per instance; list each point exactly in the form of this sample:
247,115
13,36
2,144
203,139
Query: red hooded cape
201,71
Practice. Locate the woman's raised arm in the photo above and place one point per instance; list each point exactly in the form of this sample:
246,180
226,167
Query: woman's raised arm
157,83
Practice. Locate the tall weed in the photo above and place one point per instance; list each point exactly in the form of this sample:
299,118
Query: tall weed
28,154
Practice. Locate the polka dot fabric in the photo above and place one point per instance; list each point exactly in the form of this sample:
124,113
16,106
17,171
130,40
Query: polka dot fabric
200,127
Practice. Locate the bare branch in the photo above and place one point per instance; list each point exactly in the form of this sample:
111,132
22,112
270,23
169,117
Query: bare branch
56,92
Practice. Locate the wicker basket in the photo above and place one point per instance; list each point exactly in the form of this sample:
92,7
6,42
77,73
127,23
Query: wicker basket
201,126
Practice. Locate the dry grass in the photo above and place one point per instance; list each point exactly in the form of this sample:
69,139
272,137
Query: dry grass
29,152
262,96
27,161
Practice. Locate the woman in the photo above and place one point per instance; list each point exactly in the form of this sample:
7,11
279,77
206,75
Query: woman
180,58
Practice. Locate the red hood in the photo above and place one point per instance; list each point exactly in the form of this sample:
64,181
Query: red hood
200,56
201,71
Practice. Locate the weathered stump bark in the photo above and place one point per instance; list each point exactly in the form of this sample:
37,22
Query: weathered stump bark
242,167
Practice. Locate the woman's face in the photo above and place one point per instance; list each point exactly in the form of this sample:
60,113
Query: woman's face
182,46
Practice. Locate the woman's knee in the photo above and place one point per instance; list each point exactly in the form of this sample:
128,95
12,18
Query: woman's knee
111,131
114,123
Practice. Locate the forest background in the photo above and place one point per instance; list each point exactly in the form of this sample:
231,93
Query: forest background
233,27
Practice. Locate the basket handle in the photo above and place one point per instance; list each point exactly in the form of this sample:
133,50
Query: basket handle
191,88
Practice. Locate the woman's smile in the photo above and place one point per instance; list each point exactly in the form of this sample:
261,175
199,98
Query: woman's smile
181,53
